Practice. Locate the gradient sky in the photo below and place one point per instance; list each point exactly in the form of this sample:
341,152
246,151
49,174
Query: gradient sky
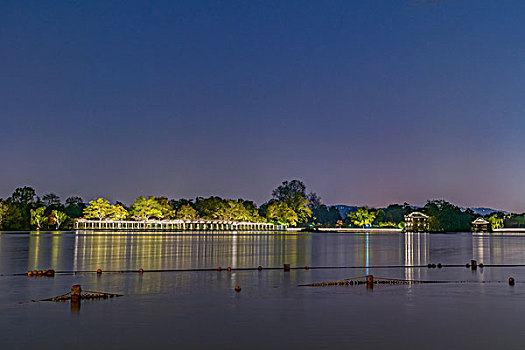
367,102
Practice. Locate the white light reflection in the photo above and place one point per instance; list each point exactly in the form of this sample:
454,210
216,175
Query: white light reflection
416,253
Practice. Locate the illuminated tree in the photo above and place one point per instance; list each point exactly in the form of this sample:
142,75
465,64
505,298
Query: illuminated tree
38,218
186,212
281,213
3,212
144,209
293,194
495,221
165,207
118,212
362,217
101,209
59,218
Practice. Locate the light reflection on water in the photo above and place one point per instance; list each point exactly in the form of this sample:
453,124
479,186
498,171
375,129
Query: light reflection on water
177,308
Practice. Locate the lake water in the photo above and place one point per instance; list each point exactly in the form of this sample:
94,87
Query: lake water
200,310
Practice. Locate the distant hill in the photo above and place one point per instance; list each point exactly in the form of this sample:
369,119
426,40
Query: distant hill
486,211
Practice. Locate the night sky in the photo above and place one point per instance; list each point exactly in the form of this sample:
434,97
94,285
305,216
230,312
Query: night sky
367,102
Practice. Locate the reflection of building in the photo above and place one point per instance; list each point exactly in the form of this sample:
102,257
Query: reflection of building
165,252
416,222
481,225
416,253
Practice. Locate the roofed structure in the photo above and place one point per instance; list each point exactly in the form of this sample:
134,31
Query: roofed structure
417,222
481,225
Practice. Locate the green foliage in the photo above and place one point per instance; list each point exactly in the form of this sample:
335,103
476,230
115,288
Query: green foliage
38,217
177,204
314,201
51,200
144,209
515,220
446,217
296,209
3,212
389,224
74,207
325,216
59,217
23,197
118,213
495,221
300,205
394,213
216,208
362,217
281,213
186,212
289,189
101,209
165,207
13,219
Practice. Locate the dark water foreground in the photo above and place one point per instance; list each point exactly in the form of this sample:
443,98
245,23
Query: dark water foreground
200,310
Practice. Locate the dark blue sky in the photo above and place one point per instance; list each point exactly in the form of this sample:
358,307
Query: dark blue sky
368,102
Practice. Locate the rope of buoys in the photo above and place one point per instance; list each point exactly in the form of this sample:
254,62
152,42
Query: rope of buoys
287,267
369,280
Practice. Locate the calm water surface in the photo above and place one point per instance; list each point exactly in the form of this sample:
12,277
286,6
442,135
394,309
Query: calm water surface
200,310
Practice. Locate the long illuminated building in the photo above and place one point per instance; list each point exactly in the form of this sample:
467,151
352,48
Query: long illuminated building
175,225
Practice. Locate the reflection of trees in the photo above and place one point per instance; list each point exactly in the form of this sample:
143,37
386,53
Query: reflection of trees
160,252
34,252
48,250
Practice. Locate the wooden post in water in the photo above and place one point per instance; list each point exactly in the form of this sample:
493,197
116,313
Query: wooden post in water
369,281
76,290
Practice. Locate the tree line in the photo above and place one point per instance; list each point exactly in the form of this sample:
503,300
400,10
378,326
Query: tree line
290,204
443,217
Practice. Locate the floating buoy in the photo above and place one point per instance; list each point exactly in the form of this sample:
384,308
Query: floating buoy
229,268
511,281
35,273
286,267
259,268
141,270
99,272
237,288
429,266
307,267
439,265
481,265
467,265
